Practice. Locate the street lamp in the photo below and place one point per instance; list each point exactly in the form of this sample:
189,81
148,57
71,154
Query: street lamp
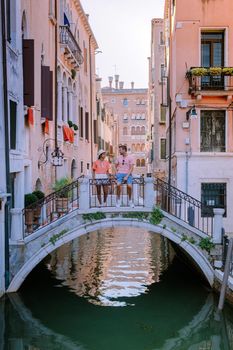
57,155
192,113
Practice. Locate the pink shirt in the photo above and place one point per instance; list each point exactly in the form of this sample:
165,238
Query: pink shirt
101,167
123,164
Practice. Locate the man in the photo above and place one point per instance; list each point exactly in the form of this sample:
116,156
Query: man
124,167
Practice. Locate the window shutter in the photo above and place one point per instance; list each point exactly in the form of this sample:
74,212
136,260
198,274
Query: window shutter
50,115
28,72
95,132
87,126
45,92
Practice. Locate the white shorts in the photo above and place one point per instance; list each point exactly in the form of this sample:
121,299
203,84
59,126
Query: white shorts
101,176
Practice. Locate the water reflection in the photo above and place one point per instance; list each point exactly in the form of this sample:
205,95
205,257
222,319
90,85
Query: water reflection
172,310
108,265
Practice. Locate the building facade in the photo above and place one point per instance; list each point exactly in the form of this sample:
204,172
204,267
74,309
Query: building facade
199,58
129,107
156,108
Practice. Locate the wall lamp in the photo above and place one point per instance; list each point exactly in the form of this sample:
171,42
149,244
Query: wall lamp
191,113
57,155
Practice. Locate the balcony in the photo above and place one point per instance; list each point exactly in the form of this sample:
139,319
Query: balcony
210,81
72,50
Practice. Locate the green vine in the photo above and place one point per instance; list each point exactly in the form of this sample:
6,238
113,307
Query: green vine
56,237
94,216
206,244
156,216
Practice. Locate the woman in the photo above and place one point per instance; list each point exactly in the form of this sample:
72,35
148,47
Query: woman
101,171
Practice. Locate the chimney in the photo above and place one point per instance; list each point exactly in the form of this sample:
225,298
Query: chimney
121,84
110,79
132,84
116,81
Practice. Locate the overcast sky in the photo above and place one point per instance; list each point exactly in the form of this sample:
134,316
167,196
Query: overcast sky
122,30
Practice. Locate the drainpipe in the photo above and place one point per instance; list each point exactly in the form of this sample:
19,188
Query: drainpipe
169,103
7,158
55,90
91,107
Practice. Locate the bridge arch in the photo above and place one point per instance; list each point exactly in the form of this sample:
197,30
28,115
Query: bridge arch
194,252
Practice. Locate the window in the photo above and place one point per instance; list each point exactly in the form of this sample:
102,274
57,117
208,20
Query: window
87,126
125,117
162,148
125,102
214,196
213,131
143,147
162,71
81,167
113,100
143,130
81,124
143,102
133,131
125,131
138,147
138,130
138,163
212,55
143,117
162,114
143,163
161,37
95,131
138,116
13,128
133,147
85,57
138,102
133,117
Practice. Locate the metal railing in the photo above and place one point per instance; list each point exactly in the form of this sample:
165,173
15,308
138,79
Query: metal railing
51,208
103,193
209,81
67,38
184,207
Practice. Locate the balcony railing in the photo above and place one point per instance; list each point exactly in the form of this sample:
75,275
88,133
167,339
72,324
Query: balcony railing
73,50
210,80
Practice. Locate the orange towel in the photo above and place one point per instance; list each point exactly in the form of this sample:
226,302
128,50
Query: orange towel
30,116
66,133
46,126
71,136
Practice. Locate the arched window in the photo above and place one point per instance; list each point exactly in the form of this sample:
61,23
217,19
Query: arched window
143,163
143,130
133,147
125,102
138,162
125,131
138,147
73,169
138,130
143,147
38,186
133,130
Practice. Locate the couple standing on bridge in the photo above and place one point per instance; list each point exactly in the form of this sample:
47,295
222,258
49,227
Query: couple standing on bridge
122,173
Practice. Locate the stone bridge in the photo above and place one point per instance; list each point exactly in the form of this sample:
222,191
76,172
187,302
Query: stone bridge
31,243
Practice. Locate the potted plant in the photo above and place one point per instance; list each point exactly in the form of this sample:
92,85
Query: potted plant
62,195
75,127
70,123
29,200
37,210
215,70
227,70
199,71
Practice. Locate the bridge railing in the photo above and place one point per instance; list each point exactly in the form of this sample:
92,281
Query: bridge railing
184,207
51,208
103,193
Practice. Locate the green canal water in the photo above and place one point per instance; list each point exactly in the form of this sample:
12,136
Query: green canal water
116,289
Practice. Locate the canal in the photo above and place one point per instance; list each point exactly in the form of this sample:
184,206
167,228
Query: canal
116,289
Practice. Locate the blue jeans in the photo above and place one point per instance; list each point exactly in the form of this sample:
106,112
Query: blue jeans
120,179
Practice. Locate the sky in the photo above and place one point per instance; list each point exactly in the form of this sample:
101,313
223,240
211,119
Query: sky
122,29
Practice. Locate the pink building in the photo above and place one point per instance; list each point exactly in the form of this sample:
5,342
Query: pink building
156,111
129,107
198,56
